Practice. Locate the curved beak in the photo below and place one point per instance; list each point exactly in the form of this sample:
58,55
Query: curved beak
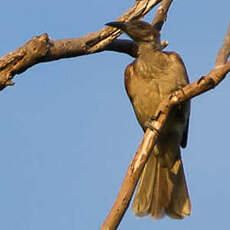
118,25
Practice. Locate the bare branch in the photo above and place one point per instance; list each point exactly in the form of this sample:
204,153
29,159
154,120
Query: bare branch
150,137
43,49
22,58
161,14
224,52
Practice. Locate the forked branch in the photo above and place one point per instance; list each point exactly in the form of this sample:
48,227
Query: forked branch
43,49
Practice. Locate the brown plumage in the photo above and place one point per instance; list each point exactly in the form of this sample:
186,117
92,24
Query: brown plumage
149,79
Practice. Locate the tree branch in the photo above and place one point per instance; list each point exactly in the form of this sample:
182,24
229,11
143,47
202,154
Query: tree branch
213,78
161,14
43,49
224,52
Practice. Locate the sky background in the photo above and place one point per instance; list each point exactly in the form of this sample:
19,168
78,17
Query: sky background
68,131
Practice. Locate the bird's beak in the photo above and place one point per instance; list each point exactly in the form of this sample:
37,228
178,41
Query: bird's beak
118,25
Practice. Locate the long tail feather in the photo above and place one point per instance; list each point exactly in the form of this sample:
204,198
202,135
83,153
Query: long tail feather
162,190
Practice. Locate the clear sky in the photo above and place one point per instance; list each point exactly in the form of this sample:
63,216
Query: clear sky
68,131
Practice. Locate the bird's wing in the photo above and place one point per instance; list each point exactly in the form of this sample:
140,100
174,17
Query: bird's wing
185,136
129,72
181,70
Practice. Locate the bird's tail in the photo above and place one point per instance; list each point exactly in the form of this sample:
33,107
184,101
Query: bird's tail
162,190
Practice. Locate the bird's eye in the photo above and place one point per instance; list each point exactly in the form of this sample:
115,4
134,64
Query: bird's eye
141,26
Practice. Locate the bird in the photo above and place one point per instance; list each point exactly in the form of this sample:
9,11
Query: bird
149,79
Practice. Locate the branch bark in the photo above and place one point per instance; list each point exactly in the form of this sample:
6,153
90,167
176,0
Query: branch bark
43,49
161,14
224,51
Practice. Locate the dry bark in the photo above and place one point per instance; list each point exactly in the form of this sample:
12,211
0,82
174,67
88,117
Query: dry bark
43,49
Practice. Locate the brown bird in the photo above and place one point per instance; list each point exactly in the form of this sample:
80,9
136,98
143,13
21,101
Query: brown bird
153,76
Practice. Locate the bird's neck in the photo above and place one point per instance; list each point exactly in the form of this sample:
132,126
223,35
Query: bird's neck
146,48
150,61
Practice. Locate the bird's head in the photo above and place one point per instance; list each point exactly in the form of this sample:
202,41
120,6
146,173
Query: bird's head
139,31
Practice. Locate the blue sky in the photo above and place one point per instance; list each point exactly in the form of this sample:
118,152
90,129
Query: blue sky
68,131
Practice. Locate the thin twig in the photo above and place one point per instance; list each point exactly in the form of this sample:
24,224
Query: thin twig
224,52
